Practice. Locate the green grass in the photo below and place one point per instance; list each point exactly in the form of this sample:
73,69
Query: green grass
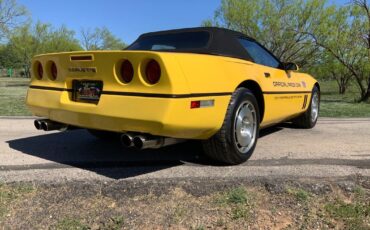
70,224
238,200
343,109
200,227
10,194
353,215
14,79
234,196
335,105
6,81
301,195
114,223
12,101
12,96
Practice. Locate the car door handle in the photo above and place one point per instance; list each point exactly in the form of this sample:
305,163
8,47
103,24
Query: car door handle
267,75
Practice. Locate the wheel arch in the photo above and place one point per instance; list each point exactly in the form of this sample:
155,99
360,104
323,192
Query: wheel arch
317,85
257,92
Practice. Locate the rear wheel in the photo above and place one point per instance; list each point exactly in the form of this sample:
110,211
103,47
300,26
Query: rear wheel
104,135
308,119
236,140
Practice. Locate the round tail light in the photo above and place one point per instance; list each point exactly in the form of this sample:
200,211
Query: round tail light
54,71
127,71
40,70
153,72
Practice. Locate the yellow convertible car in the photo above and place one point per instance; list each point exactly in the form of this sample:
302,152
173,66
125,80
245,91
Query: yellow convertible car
207,83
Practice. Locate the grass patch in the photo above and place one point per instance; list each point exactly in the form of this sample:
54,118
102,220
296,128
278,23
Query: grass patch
12,101
238,200
10,194
179,213
13,96
344,109
234,196
7,81
334,104
114,223
353,215
247,207
300,195
239,212
70,224
200,227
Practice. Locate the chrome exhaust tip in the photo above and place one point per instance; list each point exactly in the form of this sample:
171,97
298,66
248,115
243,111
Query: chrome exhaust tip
38,124
148,142
127,140
138,142
44,126
48,125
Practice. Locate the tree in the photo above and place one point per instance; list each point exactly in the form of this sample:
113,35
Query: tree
344,34
276,24
11,16
100,39
364,5
328,68
29,41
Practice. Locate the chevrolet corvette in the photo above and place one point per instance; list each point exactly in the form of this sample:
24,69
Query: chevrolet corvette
210,84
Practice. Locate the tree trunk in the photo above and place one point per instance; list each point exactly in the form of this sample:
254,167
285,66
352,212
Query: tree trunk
342,89
366,95
342,83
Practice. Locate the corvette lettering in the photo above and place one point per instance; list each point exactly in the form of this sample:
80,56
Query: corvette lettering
82,69
286,84
288,97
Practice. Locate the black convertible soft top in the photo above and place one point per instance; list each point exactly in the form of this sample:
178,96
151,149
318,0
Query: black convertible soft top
203,40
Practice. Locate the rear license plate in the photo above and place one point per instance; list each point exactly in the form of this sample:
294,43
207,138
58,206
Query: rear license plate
86,91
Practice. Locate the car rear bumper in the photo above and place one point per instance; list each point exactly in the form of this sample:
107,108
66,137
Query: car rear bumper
155,115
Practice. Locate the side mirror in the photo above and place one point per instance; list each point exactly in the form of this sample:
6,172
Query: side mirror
291,66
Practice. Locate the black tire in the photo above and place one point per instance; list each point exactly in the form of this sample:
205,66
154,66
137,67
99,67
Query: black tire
104,135
306,119
223,146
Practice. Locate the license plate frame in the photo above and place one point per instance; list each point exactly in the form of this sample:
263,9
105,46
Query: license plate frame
88,91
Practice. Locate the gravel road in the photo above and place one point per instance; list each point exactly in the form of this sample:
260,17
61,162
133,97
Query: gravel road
334,148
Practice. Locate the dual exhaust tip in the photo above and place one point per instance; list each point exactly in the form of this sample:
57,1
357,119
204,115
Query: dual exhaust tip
147,141
48,125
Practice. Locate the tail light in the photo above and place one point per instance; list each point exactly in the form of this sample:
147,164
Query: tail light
153,72
53,71
40,71
126,71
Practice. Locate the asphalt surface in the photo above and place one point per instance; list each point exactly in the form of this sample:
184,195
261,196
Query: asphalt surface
334,148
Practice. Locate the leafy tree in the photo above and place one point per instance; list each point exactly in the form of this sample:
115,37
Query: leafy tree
328,68
344,34
276,24
29,41
100,39
11,16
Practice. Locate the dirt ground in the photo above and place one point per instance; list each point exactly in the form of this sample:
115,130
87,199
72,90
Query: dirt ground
188,204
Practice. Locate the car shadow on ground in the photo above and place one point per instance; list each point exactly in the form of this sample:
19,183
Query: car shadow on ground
79,149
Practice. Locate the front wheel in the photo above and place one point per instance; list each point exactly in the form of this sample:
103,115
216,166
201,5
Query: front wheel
235,142
308,119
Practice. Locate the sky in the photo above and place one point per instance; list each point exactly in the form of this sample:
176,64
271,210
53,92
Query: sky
126,19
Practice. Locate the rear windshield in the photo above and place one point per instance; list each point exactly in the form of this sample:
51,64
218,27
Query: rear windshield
172,41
